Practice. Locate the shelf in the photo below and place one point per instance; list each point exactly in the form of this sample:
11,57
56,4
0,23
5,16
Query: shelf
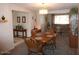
3,21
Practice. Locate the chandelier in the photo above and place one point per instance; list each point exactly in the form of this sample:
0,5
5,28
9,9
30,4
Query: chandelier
43,9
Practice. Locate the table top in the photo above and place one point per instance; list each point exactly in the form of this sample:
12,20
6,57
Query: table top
45,38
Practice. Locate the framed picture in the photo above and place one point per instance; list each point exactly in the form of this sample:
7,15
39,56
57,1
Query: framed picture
23,19
18,19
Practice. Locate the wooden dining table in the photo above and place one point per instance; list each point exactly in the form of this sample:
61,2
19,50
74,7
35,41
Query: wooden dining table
44,38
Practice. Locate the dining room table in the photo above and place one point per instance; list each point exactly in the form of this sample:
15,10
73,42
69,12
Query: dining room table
45,37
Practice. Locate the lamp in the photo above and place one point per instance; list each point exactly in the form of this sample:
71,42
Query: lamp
43,9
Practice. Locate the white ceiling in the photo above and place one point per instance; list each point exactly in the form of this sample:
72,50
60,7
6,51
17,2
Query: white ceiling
50,6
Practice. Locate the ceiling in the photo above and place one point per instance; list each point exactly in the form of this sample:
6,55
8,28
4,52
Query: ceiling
50,6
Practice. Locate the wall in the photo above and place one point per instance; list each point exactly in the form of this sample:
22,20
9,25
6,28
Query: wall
30,22
6,29
61,11
49,18
38,25
6,32
15,14
42,23
30,25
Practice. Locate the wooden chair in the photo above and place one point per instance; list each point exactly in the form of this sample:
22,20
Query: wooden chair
49,46
33,46
52,41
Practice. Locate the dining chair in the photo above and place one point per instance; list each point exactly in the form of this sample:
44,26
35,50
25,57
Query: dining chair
52,42
49,47
33,46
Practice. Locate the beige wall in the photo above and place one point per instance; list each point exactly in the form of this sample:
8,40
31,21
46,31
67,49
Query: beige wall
6,29
6,32
18,13
61,11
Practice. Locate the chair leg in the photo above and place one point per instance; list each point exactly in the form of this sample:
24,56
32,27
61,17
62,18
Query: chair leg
55,45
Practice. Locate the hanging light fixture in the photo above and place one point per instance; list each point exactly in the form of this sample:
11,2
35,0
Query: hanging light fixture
43,9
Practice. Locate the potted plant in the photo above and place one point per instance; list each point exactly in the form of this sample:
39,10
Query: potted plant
74,10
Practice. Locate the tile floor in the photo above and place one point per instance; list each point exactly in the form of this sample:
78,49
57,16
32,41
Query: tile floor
62,47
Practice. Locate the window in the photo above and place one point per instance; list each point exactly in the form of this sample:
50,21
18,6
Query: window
61,19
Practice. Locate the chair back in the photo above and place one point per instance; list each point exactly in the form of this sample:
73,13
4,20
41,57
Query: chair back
32,44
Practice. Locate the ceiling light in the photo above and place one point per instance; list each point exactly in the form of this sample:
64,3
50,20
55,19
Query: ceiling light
43,9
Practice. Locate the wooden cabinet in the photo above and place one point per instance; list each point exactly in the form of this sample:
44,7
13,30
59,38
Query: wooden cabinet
73,41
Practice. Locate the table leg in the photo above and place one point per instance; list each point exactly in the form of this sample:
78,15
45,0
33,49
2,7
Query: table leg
14,33
23,34
17,33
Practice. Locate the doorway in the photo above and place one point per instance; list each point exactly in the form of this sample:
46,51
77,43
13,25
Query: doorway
19,26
